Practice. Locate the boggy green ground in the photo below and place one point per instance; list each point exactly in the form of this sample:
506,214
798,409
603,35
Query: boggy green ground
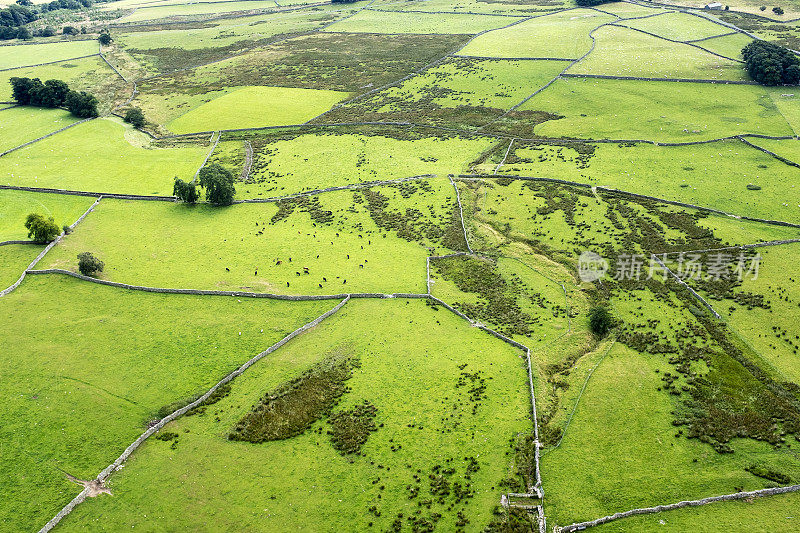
91,365
439,402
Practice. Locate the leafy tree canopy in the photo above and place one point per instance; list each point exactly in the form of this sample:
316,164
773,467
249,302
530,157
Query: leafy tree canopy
218,183
771,64
41,229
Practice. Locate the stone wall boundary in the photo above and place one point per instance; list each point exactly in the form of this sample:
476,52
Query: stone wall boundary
102,476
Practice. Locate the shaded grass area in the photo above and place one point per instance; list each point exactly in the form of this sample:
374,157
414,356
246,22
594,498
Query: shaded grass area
102,155
75,395
264,247
38,121
15,206
437,459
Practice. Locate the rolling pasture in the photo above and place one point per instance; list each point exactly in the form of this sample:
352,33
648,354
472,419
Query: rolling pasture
375,314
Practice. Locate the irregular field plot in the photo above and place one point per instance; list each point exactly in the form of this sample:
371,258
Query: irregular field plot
249,247
103,156
16,205
399,22
252,107
410,370
12,56
619,433
316,161
712,175
624,52
678,26
787,105
526,8
653,110
788,148
728,46
561,35
76,397
38,121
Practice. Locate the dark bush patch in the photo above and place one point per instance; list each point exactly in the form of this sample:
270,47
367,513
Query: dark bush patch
767,473
291,408
351,428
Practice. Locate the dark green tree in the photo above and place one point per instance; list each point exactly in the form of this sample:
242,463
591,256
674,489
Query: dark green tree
52,94
218,183
135,117
82,104
186,192
777,10
771,64
88,264
600,321
41,229
105,39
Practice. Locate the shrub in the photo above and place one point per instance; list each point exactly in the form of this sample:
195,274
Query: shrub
88,264
752,187
600,321
70,30
771,64
105,39
763,8
42,230
135,117
186,192
777,10
218,183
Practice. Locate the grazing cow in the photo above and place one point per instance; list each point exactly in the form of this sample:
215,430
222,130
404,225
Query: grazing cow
325,279
320,285
344,282
278,262
298,273
227,269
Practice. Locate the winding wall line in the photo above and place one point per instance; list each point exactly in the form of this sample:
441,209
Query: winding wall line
102,476
47,62
686,286
45,136
691,503
47,249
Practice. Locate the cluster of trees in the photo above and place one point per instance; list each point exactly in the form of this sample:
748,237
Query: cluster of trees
590,3
53,93
771,64
14,18
215,179
41,229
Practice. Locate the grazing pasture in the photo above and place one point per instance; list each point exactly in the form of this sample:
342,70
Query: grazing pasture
69,376
368,21
102,155
447,416
254,107
12,56
16,205
38,122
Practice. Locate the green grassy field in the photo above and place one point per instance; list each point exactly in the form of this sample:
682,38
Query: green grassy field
728,46
624,52
104,156
153,253
561,35
14,259
693,174
658,111
33,54
425,419
678,26
456,6
397,22
16,205
76,396
253,107
38,122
